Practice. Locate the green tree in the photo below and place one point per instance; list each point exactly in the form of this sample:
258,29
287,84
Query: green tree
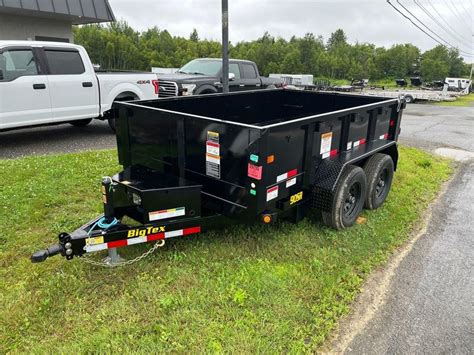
119,46
440,62
194,37
432,69
337,39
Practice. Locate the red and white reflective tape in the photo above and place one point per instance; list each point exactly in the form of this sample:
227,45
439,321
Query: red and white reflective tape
384,136
330,154
137,240
359,142
287,175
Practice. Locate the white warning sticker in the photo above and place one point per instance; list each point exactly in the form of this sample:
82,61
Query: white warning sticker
326,140
272,193
212,148
291,182
213,159
164,214
213,166
349,146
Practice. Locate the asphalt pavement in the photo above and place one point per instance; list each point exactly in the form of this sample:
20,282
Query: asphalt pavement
429,127
63,138
430,304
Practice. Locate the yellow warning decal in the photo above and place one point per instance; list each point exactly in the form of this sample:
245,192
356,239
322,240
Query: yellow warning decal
212,136
296,197
94,241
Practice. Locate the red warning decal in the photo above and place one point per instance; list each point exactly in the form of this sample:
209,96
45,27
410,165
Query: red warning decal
272,193
254,171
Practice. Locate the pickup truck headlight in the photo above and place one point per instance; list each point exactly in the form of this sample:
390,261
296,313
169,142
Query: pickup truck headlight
188,89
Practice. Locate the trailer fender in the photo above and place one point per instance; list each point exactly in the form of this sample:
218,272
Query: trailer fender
327,173
392,150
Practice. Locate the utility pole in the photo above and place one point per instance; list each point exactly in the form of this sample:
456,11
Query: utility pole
225,46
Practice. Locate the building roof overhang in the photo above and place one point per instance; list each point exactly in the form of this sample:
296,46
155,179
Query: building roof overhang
77,12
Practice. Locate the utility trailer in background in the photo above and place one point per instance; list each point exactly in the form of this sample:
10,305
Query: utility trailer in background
252,156
412,95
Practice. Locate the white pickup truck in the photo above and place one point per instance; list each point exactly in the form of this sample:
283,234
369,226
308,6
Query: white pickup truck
50,83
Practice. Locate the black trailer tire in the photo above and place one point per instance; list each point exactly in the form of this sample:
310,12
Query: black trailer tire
379,171
81,123
348,199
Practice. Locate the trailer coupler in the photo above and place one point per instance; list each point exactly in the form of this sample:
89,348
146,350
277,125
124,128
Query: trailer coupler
42,255
63,248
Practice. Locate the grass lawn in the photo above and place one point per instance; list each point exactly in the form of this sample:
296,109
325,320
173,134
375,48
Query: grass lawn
248,289
464,101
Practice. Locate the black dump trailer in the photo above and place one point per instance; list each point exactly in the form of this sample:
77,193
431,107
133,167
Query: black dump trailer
252,156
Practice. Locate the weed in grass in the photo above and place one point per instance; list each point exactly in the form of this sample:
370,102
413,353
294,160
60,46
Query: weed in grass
247,289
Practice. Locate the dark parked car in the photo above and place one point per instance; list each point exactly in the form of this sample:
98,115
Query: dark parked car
204,76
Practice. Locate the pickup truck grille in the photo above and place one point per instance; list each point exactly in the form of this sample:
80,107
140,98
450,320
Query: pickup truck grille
168,89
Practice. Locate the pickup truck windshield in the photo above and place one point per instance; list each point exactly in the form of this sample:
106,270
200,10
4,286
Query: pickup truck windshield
204,67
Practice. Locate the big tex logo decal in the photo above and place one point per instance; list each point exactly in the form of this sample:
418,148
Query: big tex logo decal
144,232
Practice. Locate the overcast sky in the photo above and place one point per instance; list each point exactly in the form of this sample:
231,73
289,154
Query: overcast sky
371,21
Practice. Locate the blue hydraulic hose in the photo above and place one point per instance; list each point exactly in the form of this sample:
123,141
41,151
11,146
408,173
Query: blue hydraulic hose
101,223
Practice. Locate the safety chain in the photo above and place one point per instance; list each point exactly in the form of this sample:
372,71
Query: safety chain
123,263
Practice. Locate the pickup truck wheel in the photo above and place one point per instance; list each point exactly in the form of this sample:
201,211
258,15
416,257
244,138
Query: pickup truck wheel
379,172
348,199
81,123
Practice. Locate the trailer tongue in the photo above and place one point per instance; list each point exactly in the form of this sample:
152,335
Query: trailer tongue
254,156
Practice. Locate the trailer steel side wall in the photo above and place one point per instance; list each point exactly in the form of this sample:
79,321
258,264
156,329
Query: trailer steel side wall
310,135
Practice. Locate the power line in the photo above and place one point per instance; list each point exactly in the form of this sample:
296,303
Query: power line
422,30
468,11
450,31
429,29
442,18
454,9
